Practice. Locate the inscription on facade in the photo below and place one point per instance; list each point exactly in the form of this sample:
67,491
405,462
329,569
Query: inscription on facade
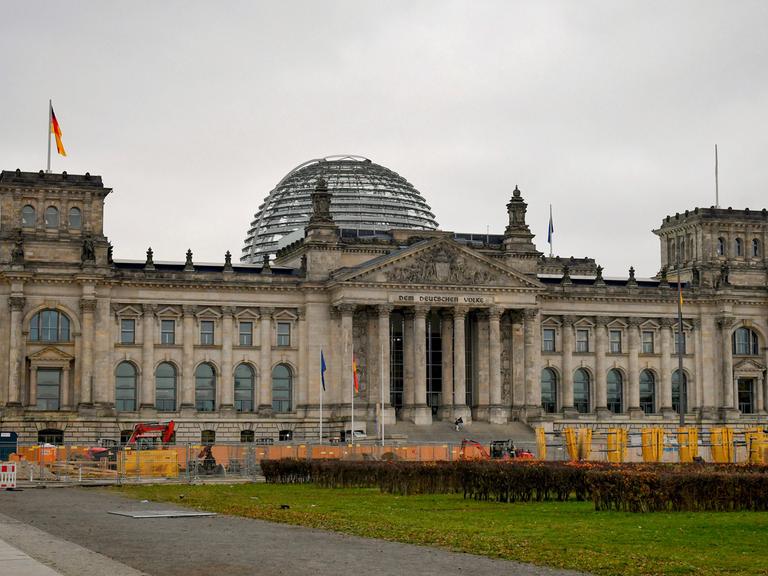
441,299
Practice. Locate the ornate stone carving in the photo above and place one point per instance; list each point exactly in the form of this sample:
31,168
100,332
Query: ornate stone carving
150,263
88,253
495,312
265,267
460,312
631,281
301,313
443,265
346,308
530,314
568,320
384,309
17,254
189,266
228,310
420,311
634,321
266,311
599,276
188,310
566,279
228,261
725,323
667,322
110,251
321,204
602,321
88,304
16,303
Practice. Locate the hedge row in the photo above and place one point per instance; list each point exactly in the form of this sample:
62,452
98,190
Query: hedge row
626,487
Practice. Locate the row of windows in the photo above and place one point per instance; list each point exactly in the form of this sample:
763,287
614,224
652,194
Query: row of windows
56,436
744,341
615,341
207,336
29,217
614,392
166,389
738,247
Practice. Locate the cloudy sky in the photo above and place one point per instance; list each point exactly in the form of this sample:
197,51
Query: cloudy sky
193,111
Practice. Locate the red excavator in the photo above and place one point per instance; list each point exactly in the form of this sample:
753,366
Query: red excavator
144,434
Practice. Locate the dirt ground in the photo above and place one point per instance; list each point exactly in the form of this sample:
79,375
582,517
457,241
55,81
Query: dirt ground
218,545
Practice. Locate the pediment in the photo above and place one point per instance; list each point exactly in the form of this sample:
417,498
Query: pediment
167,311
285,315
247,314
50,354
749,366
439,261
208,312
126,310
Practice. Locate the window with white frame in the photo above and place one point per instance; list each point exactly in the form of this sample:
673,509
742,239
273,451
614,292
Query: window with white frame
246,333
127,331
648,341
283,333
167,331
206,332
614,341
582,340
548,340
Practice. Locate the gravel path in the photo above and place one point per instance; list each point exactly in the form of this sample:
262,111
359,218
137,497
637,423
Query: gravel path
222,545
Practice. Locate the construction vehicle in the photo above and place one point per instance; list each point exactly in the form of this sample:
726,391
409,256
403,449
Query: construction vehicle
142,436
145,453
499,450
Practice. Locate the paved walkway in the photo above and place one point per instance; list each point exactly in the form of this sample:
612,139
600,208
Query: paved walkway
14,561
71,525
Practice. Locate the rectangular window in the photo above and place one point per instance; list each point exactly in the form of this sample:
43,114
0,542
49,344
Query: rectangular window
614,341
582,340
167,331
127,331
548,342
679,343
647,342
48,388
206,332
283,333
246,333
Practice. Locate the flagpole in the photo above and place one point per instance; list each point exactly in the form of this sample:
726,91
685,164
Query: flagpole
717,186
381,412
551,252
322,389
681,382
50,107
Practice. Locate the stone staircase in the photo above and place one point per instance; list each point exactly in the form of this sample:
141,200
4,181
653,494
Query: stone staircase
444,432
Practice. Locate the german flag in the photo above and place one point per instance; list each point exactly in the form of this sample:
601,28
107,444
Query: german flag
56,131
354,374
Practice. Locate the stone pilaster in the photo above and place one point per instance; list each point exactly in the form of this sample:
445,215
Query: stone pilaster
445,412
421,414
408,360
460,408
226,391
87,308
633,386
188,359
103,346
601,382
147,396
532,338
566,401
265,360
728,408
302,397
498,414
518,363
347,312
384,311
482,397
16,304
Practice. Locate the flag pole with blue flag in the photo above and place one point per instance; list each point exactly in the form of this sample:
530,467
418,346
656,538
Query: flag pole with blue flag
322,390
550,232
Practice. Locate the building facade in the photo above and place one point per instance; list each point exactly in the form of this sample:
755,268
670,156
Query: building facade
439,325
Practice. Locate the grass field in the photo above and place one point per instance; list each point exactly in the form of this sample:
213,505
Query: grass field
563,535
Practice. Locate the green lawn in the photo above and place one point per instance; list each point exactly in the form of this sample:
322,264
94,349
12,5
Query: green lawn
565,535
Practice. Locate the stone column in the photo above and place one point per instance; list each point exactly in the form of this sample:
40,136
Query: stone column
445,412
384,310
265,360
497,413
532,362
147,397
601,378
728,407
633,386
566,400
188,358
666,366
408,361
226,389
460,408
348,345
16,351
421,413
518,363
482,398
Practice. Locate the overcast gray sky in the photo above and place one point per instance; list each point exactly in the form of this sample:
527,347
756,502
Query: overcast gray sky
193,111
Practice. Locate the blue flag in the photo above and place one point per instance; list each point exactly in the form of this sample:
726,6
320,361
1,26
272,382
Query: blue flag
551,229
322,368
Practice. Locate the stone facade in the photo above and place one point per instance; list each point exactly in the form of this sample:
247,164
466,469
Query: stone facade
439,327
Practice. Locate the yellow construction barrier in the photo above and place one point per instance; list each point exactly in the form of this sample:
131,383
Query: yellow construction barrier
688,443
585,443
150,463
541,443
721,440
617,445
570,444
755,438
653,444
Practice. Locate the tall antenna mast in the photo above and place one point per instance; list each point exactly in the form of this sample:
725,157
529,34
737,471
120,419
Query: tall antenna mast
717,188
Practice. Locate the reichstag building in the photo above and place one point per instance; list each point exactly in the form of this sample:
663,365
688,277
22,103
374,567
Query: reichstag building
345,259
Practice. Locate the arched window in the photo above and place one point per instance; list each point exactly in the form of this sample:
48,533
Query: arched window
676,398
28,216
549,390
647,392
581,390
125,387
208,436
165,387
721,247
51,217
282,388
247,436
739,246
205,388
49,326
75,218
615,391
755,248
244,388
745,342
50,436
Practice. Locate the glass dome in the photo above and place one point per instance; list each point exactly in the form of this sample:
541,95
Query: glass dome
364,196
